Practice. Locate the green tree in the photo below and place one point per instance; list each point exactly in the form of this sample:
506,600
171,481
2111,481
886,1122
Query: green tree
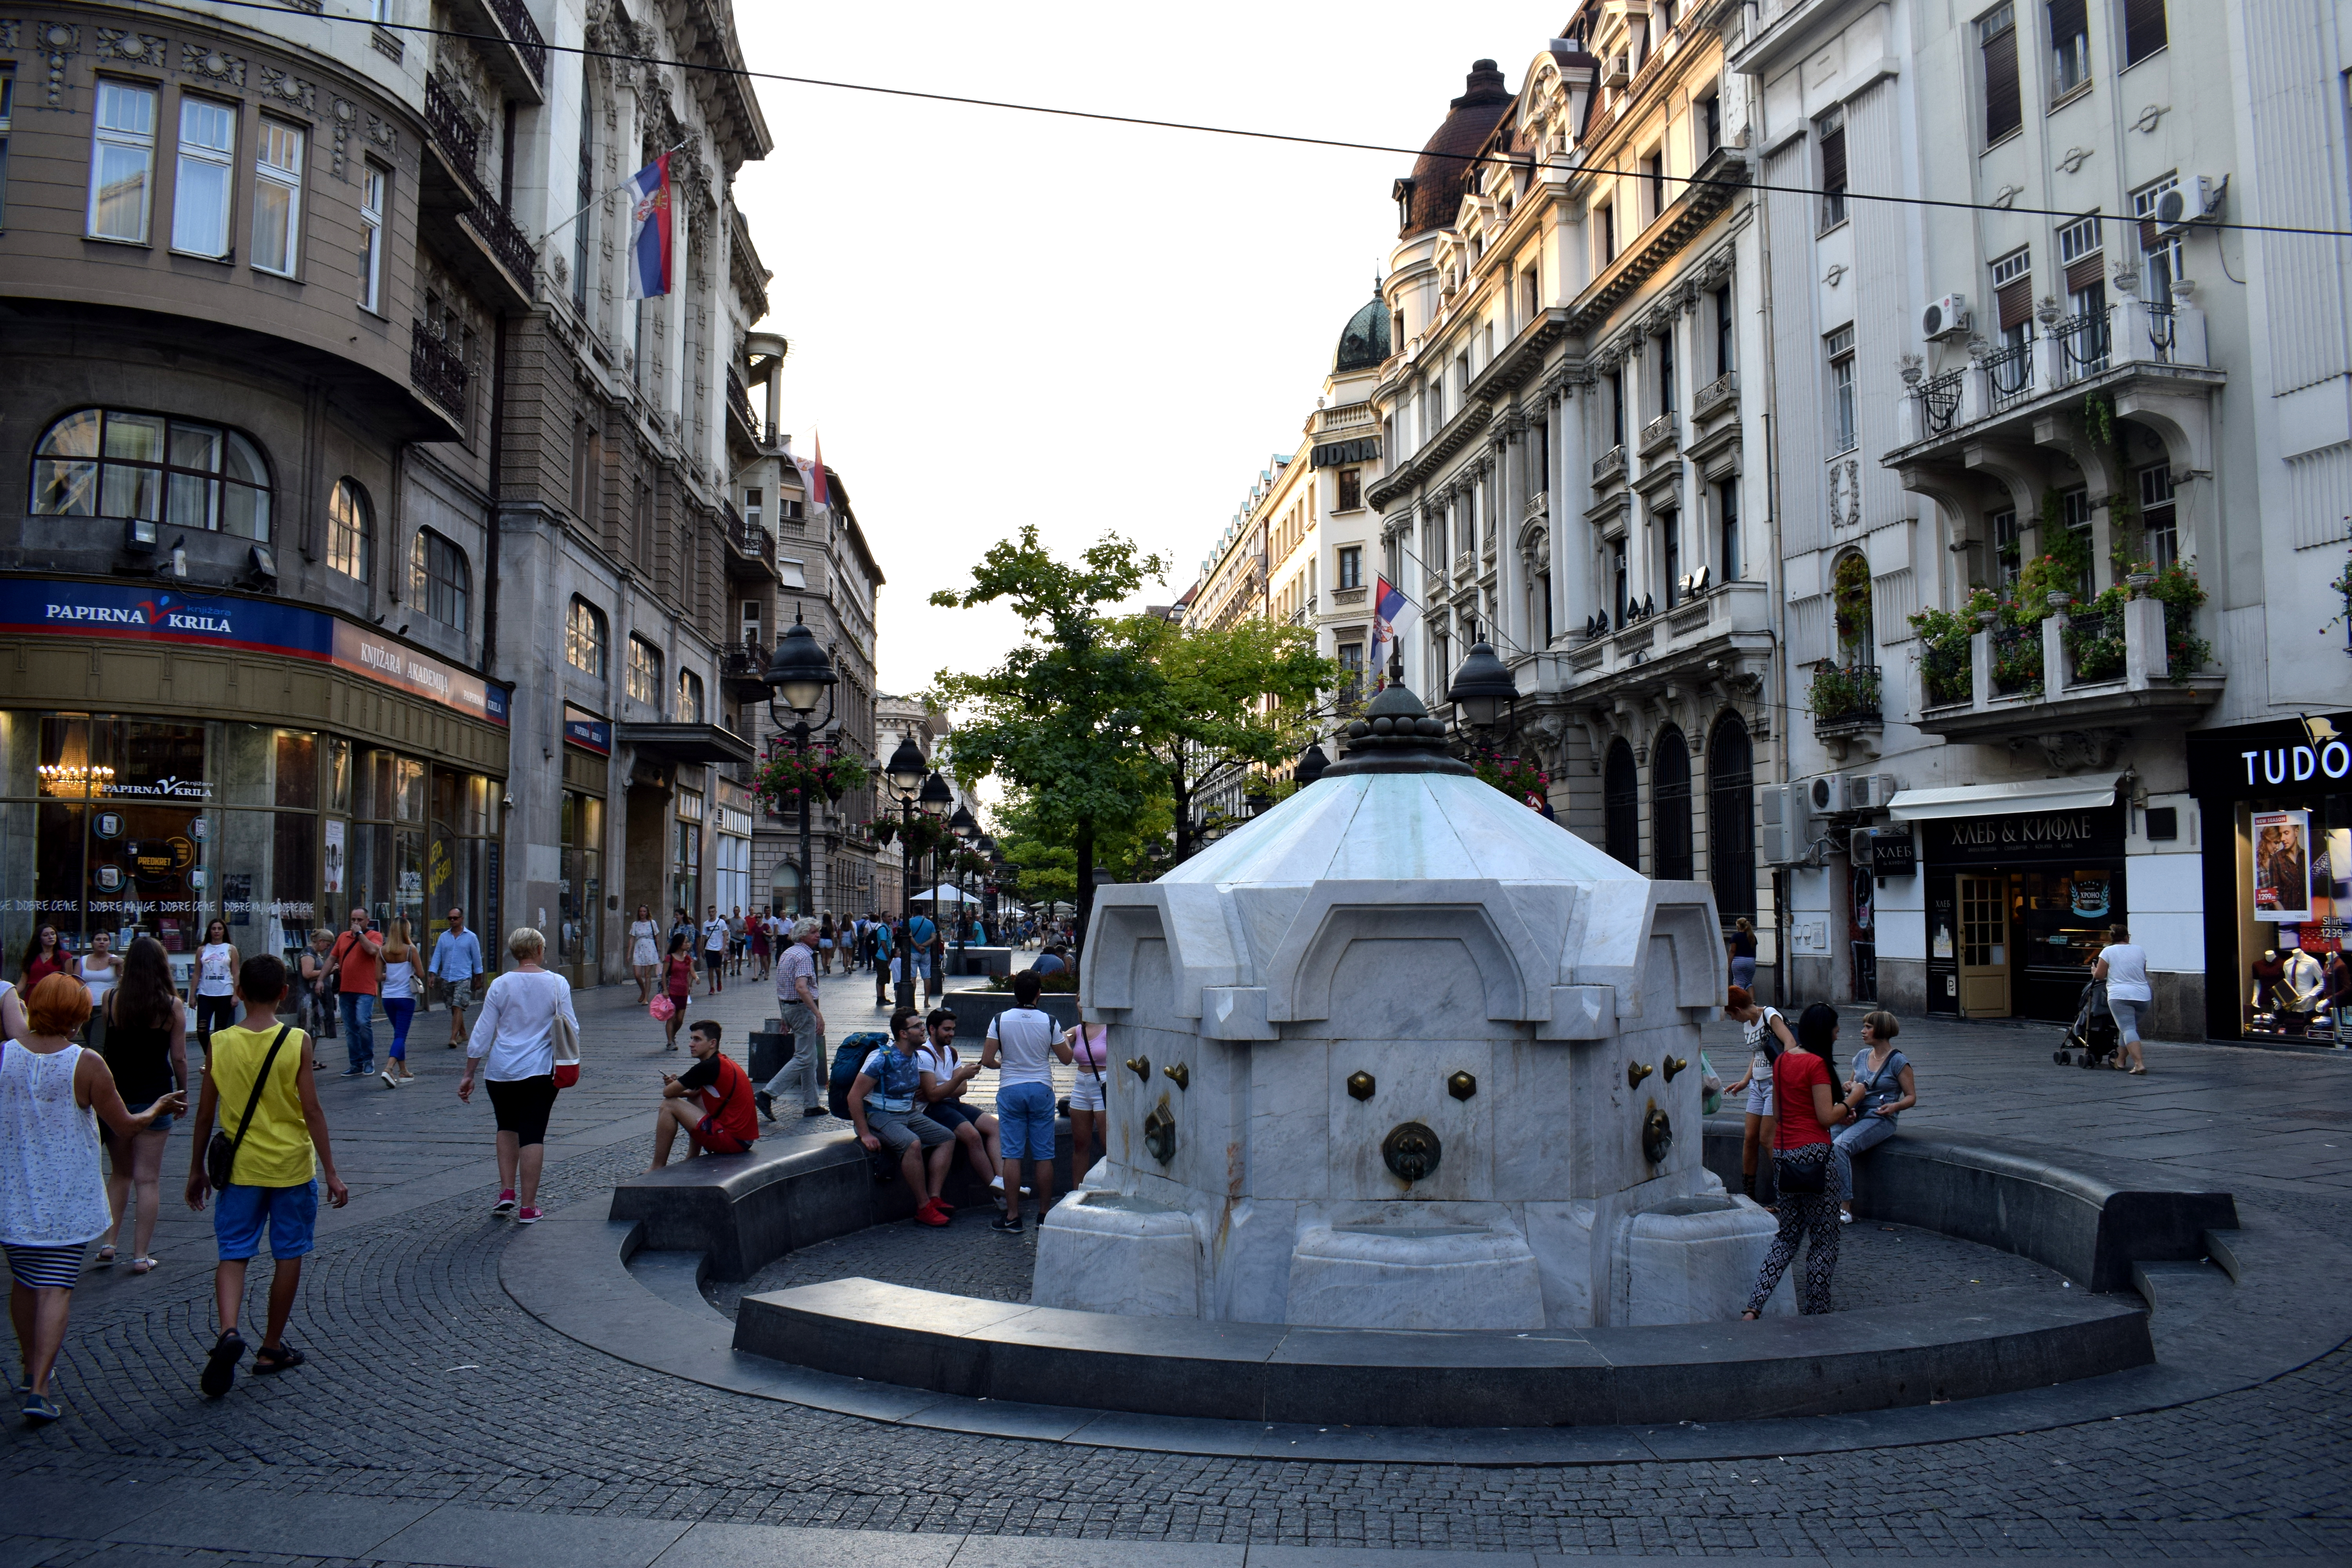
1058,722
1228,700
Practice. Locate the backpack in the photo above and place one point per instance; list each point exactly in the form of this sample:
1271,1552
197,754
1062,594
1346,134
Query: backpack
847,1058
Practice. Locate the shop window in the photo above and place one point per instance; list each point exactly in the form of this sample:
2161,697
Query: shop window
122,162
585,638
350,531
115,463
440,582
645,672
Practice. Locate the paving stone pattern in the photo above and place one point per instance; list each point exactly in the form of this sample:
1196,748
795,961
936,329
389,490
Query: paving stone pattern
426,1383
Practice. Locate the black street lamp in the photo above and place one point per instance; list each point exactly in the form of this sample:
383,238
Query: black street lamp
799,677
1311,765
1483,691
903,777
966,828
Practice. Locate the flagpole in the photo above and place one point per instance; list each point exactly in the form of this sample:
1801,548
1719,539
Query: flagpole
600,201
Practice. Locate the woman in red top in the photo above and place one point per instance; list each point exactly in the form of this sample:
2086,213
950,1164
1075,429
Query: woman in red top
43,958
677,984
1809,1106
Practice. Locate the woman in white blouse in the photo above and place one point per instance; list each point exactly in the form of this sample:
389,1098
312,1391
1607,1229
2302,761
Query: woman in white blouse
513,1045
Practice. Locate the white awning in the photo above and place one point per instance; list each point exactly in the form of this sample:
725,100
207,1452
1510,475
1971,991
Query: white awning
2001,799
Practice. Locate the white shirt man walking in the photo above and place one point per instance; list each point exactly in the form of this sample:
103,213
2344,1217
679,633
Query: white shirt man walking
804,1019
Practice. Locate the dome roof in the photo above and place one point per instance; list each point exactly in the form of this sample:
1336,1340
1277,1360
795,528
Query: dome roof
1442,175
1364,341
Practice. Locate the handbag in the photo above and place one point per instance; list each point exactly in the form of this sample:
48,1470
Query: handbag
220,1151
566,1035
1806,1177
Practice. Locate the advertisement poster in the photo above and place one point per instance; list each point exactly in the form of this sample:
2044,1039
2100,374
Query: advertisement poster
2282,866
333,880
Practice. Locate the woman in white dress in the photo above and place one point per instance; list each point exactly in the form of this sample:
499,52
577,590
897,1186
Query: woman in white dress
644,951
53,1094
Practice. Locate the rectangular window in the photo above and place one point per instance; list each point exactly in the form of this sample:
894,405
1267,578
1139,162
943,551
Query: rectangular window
1727,527
752,510
2004,110
1530,296
2157,517
689,698
2074,516
1723,330
1654,176
372,182
1711,121
645,672
794,573
8,113
1616,407
122,162
1351,489
440,579
1351,673
2144,31
2160,254
1843,435
278,198
2069,46
1608,217
1830,128
1351,566
2012,292
585,193
2007,548
1670,542
205,179
1666,371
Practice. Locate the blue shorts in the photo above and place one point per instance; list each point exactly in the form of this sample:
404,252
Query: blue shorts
239,1211
1024,1115
950,1113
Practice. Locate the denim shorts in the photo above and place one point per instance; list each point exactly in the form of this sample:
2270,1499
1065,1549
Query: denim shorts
1024,1115
161,1124
240,1212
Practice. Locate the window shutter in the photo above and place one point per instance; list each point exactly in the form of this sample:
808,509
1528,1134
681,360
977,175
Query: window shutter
2144,32
2015,299
2085,272
1833,160
2003,111
2068,19
2147,234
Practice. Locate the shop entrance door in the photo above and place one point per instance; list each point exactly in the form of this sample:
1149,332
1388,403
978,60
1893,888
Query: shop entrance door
1984,947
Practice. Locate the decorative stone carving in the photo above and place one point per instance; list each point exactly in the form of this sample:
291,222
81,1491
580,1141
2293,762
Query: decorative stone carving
59,41
133,48
212,64
346,117
289,91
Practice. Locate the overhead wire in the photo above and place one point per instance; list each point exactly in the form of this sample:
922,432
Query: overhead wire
1202,127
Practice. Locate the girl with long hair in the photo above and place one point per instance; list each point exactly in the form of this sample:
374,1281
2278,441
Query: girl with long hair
44,956
677,984
146,1049
399,998
644,951
1809,1106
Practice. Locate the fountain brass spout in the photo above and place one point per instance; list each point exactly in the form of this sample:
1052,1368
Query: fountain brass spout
1635,1072
1182,1074
1675,1065
1141,1066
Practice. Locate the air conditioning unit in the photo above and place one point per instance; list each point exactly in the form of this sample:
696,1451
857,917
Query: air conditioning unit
1620,72
1825,794
1945,319
1857,846
1869,792
1782,840
2173,210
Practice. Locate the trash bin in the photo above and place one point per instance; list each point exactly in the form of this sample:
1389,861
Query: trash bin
769,1052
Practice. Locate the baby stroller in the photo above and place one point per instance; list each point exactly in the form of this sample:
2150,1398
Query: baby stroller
2092,1038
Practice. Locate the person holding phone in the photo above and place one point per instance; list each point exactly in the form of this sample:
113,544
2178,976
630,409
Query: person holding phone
357,958
711,1102
1809,1108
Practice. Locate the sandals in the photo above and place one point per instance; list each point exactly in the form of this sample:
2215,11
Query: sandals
105,1258
282,1358
142,1265
220,1366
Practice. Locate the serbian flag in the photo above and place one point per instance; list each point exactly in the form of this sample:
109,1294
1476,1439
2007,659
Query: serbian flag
649,231
812,472
1393,613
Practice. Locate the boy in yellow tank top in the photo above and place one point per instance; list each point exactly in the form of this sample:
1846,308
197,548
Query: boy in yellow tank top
274,1179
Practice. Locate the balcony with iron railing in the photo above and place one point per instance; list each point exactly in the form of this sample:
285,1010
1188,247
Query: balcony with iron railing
451,175
437,370
1716,396
2080,675
1660,432
739,407
742,669
508,41
751,548
465,223
1609,465
1844,698
506,244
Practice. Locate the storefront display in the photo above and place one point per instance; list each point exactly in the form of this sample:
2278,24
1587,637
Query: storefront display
2019,904
2277,805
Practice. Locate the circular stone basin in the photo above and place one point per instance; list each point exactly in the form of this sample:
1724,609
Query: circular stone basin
1411,1232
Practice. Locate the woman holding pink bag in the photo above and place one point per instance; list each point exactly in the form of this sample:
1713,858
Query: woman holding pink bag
678,988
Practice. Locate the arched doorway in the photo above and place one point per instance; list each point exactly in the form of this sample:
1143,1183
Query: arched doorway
784,891
1669,806
1621,801
1731,818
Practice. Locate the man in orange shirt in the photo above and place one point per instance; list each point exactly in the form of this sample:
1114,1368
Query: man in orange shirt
358,958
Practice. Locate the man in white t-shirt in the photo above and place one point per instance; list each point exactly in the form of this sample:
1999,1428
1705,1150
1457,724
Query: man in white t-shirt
1022,1046
945,1076
714,952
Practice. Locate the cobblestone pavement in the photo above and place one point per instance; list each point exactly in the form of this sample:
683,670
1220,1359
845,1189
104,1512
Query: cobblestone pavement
426,1383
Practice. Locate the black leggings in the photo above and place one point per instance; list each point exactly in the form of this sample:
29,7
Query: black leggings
1814,1217
212,1013
521,1106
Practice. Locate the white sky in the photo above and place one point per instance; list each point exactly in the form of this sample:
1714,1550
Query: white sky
999,318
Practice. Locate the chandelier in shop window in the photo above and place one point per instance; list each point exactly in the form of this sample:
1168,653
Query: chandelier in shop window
76,779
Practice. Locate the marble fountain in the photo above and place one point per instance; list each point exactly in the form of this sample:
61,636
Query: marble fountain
1402,1054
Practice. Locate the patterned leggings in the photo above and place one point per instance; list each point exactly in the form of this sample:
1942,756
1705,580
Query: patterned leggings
1815,1217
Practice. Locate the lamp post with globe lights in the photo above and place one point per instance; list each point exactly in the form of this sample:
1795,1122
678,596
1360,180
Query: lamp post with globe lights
798,678
966,828
903,777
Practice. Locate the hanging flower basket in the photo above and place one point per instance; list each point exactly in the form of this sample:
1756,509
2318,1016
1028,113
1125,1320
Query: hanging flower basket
785,776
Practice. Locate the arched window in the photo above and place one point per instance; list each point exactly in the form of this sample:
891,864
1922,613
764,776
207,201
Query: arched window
689,698
584,638
1669,806
106,462
350,531
1731,818
1620,802
440,582
645,672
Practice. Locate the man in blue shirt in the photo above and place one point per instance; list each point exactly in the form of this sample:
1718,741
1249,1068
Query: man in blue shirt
921,930
457,964
881,963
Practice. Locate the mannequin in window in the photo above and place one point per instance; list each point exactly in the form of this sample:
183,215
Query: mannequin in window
2267,972
2300,990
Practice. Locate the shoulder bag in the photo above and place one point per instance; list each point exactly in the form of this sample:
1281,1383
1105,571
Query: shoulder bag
220,1153
566,1035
